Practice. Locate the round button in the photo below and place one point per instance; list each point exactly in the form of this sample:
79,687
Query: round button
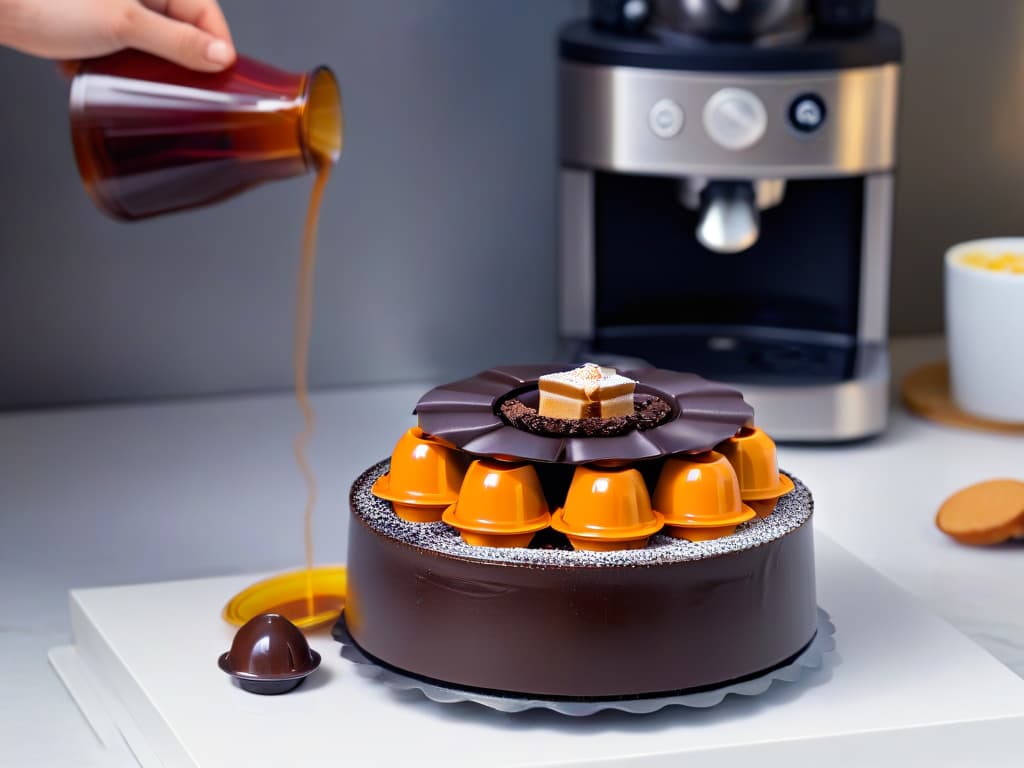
807,113
666,118
735,118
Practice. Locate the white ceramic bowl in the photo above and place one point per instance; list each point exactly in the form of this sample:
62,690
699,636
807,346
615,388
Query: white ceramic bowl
985,332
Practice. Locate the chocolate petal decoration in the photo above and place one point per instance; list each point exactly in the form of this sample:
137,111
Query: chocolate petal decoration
716,408
459,428
518,375
509,441
678,385
451,400
696,435
475,392
467,414
631,446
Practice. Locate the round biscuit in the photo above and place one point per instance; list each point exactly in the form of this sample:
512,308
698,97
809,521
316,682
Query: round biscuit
989,512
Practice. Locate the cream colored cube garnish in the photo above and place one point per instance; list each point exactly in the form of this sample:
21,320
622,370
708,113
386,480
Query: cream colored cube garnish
585,392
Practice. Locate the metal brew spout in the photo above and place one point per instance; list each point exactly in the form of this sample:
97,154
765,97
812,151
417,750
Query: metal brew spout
729,218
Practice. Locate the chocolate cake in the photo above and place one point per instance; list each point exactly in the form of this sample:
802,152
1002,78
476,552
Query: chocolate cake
545,618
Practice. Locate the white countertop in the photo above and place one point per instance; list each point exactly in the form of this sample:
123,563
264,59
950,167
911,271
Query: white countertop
114,495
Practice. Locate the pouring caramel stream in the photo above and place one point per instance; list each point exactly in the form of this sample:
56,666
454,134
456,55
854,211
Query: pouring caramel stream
314,595
323,128
303,334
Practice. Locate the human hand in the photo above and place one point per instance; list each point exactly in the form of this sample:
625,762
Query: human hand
192,33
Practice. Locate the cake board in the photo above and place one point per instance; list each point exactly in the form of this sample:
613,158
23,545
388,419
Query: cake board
903,685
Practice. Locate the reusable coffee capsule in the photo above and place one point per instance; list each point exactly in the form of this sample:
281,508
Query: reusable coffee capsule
606,509
501,504
753,456
700,497
424,479
269,655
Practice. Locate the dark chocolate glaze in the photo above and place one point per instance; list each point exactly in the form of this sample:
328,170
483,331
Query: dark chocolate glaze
579,631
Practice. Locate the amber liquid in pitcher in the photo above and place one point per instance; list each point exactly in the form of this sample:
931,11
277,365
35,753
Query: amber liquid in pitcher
151,137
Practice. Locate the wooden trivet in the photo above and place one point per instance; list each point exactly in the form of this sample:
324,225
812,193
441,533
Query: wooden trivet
925,391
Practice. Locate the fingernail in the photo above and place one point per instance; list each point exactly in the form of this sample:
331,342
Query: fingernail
219,52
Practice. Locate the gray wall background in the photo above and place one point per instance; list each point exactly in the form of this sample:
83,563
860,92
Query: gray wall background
438,234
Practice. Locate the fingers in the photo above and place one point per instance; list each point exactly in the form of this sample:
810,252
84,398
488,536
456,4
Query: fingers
177,41
205,14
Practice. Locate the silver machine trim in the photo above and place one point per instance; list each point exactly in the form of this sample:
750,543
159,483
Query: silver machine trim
876,246
846,410
576,283
605,122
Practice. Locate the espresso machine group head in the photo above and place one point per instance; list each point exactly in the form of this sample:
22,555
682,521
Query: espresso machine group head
727,196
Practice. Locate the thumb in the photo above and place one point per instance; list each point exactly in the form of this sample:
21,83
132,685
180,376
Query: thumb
177,41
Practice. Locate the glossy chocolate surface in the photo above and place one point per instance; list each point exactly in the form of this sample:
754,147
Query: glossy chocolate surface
467,414
269,654
575,624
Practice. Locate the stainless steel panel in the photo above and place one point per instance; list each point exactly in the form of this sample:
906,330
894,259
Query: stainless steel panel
605,122
876,244
577,291
849,410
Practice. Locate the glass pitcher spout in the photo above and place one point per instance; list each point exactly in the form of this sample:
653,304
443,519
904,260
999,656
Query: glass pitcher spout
151,137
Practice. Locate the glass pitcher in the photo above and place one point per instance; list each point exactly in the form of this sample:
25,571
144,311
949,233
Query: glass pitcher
152,137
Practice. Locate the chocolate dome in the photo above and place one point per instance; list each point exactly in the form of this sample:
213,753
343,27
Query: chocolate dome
269,655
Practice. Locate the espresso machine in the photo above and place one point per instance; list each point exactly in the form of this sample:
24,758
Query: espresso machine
726,200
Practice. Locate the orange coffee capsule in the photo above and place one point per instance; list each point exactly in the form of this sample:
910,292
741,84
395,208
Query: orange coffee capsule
424,479
700,497
606,509
501,504
753,455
